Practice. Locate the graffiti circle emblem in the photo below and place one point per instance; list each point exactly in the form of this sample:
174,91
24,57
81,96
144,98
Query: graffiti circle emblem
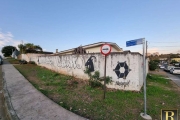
122,65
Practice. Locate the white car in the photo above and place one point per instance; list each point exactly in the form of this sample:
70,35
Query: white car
175,70
162,67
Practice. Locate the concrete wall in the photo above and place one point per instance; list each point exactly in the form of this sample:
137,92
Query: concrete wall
29,56
131,63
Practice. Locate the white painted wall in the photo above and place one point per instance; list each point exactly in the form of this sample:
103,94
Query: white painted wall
75,65
29,56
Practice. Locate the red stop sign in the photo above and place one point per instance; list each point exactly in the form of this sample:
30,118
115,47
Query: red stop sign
105,49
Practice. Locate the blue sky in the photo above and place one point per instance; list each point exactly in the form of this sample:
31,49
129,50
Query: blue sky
65,24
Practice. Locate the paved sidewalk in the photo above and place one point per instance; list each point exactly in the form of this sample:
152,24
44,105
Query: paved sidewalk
28,103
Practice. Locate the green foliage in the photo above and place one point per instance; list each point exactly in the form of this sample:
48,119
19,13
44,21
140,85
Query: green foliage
108,80
153,65
95,80
7,50
13,61
87,101
158,79
29,48
157,61
22,62
32,62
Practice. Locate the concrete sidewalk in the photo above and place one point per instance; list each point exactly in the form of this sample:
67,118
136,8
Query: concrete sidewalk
28,103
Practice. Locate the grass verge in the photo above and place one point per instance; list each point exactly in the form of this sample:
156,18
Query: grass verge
13,61
77,96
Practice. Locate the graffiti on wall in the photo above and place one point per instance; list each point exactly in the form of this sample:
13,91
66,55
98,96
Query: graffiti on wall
122,74
89,64
73,62
122,70
123,83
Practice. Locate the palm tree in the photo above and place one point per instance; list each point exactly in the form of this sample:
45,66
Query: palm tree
29,48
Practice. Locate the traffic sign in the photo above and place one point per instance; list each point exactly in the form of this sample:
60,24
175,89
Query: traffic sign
105,49
137,42
134,42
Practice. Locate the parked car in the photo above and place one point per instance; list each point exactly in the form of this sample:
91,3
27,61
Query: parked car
162,67
175,70
167,68
1,60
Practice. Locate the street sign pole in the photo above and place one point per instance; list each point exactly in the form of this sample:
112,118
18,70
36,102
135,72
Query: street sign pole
133,43
104,78
144,115
105,50
144,75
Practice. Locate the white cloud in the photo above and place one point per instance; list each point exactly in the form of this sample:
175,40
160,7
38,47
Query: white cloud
8,39
153,50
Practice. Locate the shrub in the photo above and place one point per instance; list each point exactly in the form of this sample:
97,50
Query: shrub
22,62
32,62
95,80
152,65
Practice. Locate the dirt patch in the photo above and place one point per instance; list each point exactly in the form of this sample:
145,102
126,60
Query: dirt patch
159,72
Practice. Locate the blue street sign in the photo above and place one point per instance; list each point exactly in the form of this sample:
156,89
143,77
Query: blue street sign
134,42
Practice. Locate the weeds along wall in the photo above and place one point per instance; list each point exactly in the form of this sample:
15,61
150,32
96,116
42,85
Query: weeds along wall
126,69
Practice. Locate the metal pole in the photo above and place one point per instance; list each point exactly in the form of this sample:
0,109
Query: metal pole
146,49
146,57
104,78
144,75
144,115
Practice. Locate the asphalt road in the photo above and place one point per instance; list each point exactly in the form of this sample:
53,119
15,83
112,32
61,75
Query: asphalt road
177,75
174,77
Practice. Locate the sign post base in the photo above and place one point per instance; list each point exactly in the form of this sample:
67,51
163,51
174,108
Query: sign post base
145,116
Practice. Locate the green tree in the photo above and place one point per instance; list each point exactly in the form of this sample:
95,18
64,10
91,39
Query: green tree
7,50
153,65
29,48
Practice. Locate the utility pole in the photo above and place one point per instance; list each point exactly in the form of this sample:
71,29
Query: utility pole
147,67
146,50
22,51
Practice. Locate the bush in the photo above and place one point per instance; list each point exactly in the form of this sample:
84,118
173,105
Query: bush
22,62
32,62
94,84
95,80
153,65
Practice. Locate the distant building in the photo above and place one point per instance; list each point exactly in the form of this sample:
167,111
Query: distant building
15,54
176,59
92,48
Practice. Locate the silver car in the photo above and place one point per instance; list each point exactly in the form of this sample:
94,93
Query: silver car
175,70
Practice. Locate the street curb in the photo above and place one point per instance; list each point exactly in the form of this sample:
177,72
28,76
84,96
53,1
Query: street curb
10,112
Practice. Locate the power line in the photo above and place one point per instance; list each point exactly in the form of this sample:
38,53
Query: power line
160,50
165,46
164,42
